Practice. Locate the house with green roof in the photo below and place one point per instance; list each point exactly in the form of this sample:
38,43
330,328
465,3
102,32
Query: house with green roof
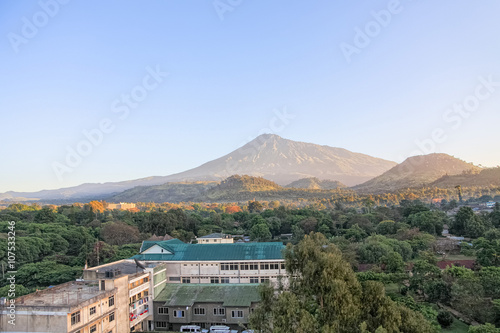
204,305
216,263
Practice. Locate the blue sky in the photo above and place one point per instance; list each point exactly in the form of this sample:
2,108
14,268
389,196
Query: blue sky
232,64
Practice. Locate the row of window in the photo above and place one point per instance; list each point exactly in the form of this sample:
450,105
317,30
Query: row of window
201,312
251,266
138,283
76,317
139,296
216,280
254,266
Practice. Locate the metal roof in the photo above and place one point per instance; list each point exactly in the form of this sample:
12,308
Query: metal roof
211,252
230,295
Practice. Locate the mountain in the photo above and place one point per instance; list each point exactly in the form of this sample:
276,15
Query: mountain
314,183
416,171
284,161
485,178
269,156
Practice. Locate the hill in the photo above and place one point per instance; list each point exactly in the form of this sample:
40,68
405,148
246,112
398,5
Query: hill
169,192
485,178
416,171
314,183
269,156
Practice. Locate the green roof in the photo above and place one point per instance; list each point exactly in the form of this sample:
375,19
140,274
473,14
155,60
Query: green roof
211,252
230,295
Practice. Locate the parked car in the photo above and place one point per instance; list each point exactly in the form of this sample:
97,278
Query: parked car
220,329
191,328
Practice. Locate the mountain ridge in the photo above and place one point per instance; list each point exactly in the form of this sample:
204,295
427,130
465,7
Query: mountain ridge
416,171
268,156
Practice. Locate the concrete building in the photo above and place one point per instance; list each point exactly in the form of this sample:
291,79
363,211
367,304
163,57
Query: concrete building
216,263
216,238
136,287
73,307
205,305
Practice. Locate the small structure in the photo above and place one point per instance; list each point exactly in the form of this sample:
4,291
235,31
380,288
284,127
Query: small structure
121,206
215,238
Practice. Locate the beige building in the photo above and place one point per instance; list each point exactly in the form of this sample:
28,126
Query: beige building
216,238
135,287
73,307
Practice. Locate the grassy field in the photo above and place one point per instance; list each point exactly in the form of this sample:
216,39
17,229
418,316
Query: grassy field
456,327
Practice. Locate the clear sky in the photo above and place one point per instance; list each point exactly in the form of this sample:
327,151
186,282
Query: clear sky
375,77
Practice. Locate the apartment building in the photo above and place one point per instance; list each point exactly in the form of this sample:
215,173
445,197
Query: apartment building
216,263
136,286
205,305
72,307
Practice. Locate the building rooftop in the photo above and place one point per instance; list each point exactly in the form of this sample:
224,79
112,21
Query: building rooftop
68,294
179,251
216,235
232,295
120,268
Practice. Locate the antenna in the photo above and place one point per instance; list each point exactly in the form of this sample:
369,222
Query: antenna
138,264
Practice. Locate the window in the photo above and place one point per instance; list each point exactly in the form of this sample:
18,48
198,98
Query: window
244,267
92,310
264,266
274,266
214,279
199,311
93,329
224,280
145,293
111,300
254,280
254,267
103,285
237,314
186,280
224,267
179,313
219,311
75,318
162,324
174,278
163,311
282,266
146,279
264,279
111,316
233,267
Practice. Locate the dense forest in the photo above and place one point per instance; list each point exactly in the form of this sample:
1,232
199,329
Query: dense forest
396,248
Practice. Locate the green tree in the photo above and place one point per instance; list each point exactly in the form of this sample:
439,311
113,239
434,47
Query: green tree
324,295
260,233
487,328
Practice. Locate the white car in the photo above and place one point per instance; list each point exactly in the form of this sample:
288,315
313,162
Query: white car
220,329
